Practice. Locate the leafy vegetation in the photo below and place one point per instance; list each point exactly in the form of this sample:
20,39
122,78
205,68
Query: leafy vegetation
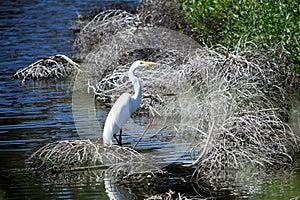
265,22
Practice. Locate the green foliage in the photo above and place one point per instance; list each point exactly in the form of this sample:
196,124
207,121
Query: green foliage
265,22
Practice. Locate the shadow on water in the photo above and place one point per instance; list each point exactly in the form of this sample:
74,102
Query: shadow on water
40,113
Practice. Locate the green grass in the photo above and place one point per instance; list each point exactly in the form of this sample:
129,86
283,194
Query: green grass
265,22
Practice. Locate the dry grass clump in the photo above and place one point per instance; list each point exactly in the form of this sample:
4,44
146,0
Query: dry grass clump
154,84
53,67
110,62
244,104
72,155
101,28
167,14
78,161
83,19
170,195
93,29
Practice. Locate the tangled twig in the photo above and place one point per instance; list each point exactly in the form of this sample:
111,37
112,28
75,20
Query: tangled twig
57,67
73,155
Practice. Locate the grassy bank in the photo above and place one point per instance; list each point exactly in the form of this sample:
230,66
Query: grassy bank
267,23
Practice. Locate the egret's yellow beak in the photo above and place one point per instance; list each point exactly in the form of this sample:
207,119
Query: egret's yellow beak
149,63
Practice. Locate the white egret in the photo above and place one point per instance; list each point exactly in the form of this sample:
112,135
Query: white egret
124,106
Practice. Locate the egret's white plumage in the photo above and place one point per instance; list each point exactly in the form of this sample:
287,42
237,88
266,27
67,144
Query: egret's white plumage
124,106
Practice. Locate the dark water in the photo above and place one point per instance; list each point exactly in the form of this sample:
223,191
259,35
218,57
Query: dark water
33,116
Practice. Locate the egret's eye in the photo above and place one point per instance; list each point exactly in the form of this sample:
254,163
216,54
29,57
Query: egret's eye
141,63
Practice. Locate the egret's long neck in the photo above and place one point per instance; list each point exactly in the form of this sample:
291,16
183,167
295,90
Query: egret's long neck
137,87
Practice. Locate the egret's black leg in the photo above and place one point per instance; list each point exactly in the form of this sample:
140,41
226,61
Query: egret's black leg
115,136
119,140
120,137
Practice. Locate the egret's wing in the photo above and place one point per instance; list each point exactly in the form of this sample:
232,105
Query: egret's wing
121,110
